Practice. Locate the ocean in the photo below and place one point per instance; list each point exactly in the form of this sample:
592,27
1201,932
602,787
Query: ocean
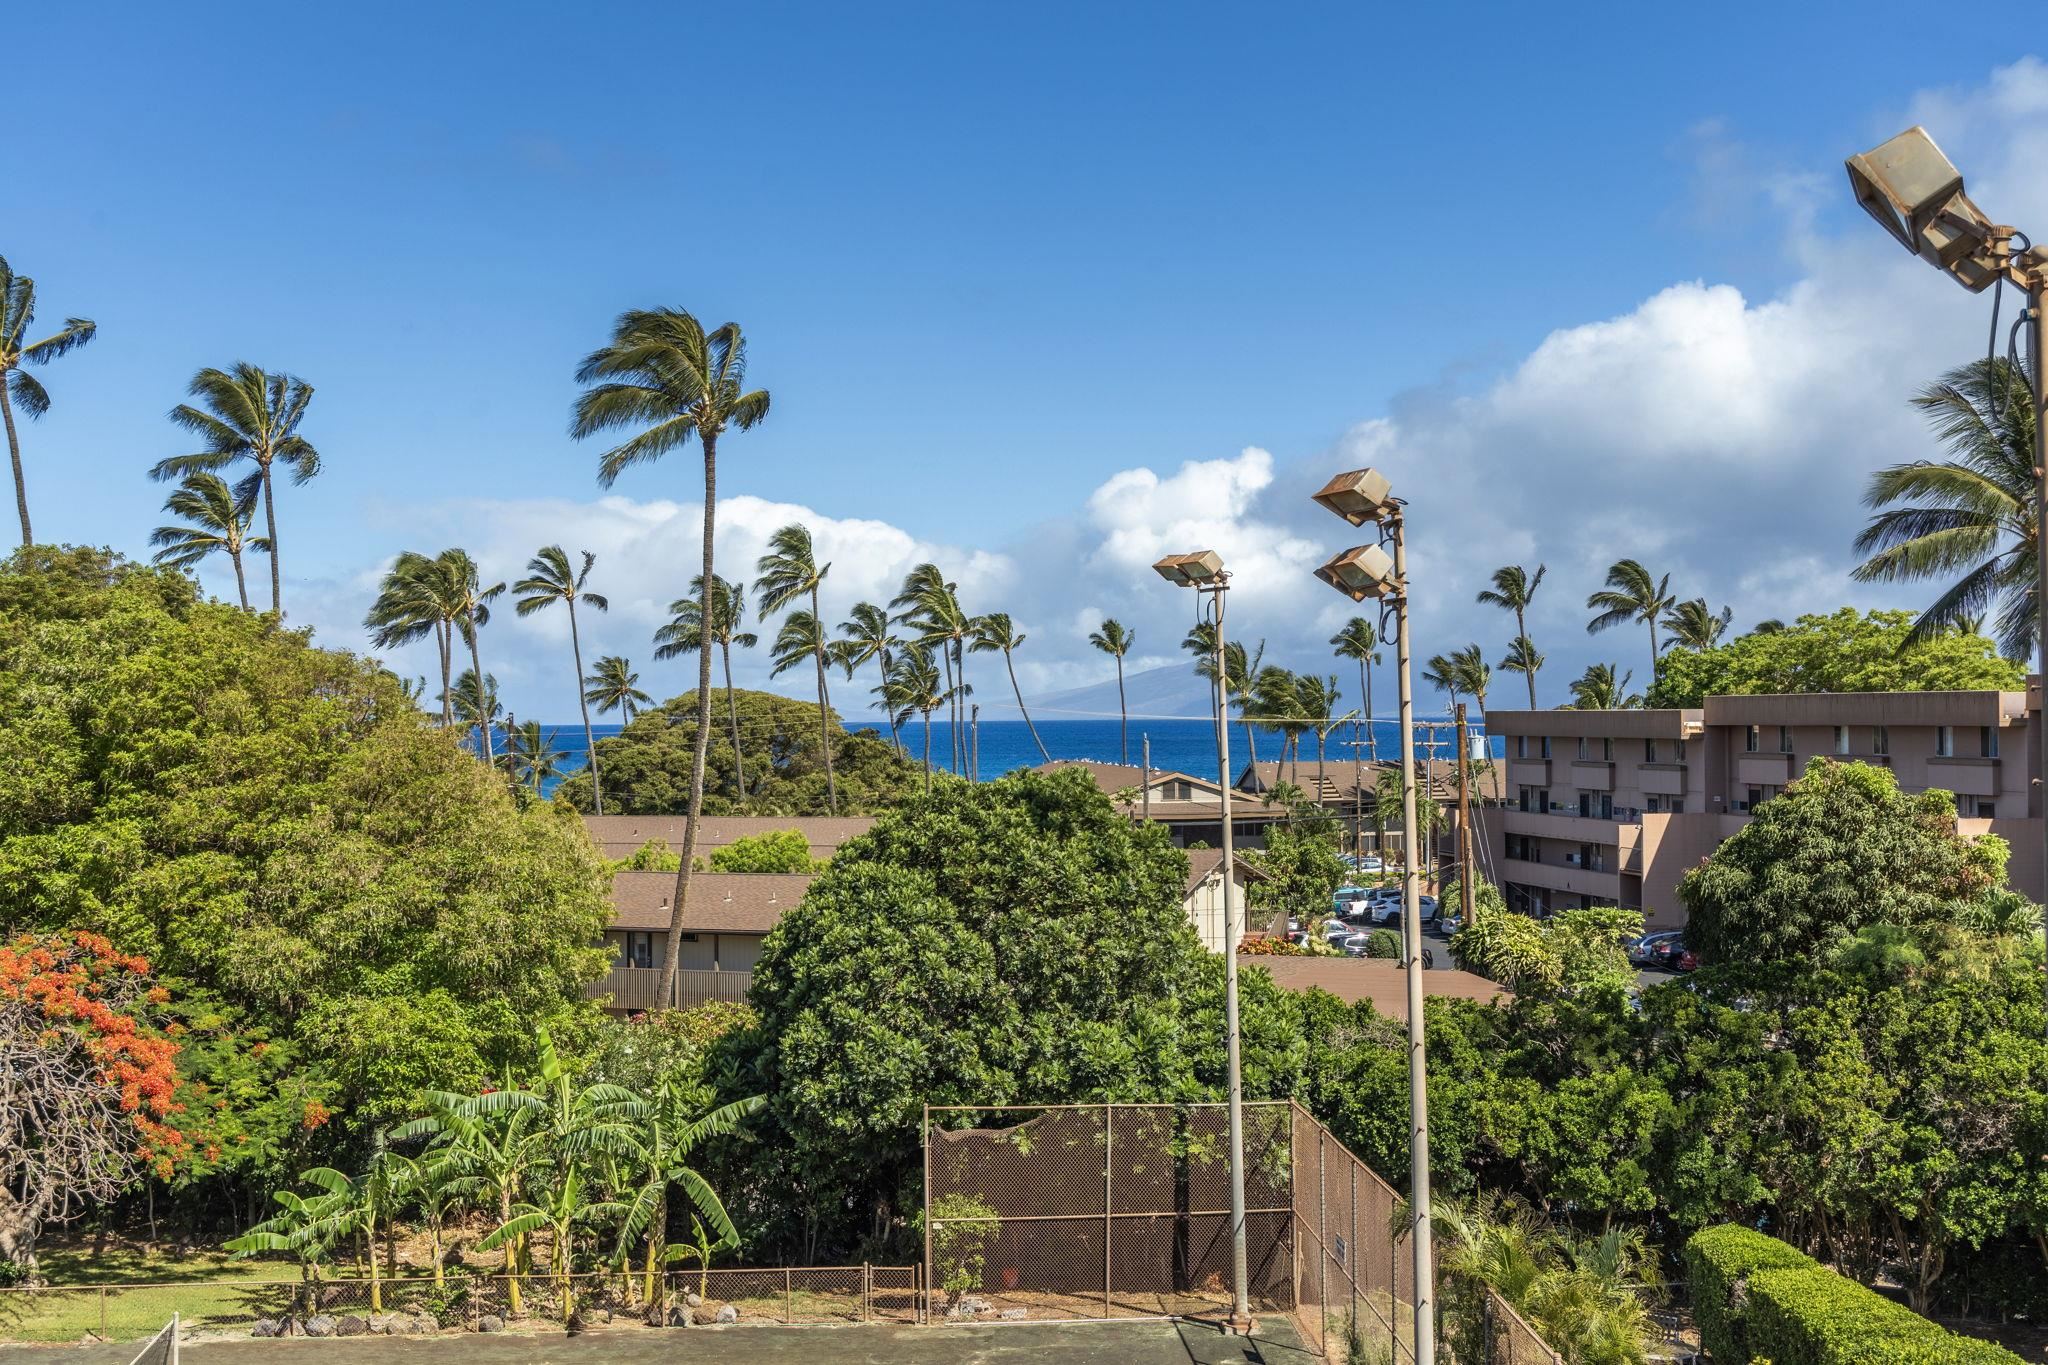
1187,746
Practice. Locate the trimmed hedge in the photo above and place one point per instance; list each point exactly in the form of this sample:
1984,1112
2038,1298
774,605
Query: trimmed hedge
1756,1298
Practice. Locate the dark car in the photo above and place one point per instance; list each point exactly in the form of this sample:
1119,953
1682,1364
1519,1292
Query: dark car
1650,949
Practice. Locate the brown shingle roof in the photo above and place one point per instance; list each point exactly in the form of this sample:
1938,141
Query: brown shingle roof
1382,982
1117,777
1335,781
621,836
720,902
1203,862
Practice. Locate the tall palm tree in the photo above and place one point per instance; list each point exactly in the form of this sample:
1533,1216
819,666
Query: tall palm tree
1445,676
472,603
684,632
1276,699
1514,588
1693,625
216,520
248,414
788,571
550,579
912,686
476,704
1474,676
996,631
1361,641
612,685
1316,699
797,643
867,634
663,373
419,596
1116,642
1522,657
1970,519
18,386
930,605
532,755
1631,594
1599,689
1240,669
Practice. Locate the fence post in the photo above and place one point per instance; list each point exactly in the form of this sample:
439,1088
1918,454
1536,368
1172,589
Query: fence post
924,1137
788,1298
103,1313
867,1289
1108,1199
1322,1234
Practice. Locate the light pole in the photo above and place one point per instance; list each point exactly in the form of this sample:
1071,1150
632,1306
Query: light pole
1204,573
1916,194
1362,496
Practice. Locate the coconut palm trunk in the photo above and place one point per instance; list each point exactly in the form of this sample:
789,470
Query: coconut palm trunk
1522,632
589,740
483,720
824,710
270,532
1123,711
732,715
444,636
665,994
1018,692
927,753
241,583
14,452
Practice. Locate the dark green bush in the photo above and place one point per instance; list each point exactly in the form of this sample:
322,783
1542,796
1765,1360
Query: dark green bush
1382,943
1718,1260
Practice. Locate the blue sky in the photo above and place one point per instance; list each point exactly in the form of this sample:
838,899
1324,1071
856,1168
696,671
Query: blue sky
988,261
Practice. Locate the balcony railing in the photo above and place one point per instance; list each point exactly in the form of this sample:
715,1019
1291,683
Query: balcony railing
637,988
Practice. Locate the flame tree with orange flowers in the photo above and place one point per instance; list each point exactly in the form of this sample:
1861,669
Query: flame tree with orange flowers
88,1083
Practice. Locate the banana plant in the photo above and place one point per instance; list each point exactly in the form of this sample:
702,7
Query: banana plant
666,1134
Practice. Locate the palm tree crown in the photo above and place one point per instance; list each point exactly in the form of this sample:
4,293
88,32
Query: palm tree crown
248,414
1600,689
19,388
1631,594
1514,588
930,606
551,579
1360,641
685,632
1694,625
1970,518
789,571
216,521
1116,642
997,632
612,685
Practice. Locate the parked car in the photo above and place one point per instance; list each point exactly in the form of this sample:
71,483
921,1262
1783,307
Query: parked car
1344,896
1336,930
1685,960
1366,862
1648,949
1389,911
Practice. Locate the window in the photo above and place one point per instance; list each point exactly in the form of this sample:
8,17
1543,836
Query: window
1753,739
1880,740
1607,750
1603,806
1649,751
1584,747
1676,805
1944,741
1987,741
1545,742
1784,739
1521,746
639,950
1841,739
1585,804
1678,752
1983,808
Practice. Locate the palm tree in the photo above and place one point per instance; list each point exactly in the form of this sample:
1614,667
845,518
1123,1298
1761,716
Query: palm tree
665,1134
797,643
1116,642
996,631
788,571
1598,689
1693,625
1523,658
434,1184
1444,675
532,755
471,604
930,605
1278,703
684,632
1970,518
913,687
1474,676
216,519
250,414
419,596
612,685
868,633
663,373
1631,594
550,579
1240,669
1514,588
1359,640
17,312
1316,699
476,705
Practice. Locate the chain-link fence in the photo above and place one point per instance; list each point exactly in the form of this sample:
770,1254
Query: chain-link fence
413,1306
1101,1211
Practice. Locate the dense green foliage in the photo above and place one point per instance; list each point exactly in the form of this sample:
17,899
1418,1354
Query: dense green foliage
1846,651
775,850
278,827
1015,942
1756,1298
1840,849
647,765
1301,868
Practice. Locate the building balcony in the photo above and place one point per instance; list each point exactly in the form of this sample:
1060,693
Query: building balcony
638,988
1763,770
1528,772
1964,776
1574,828
1592,776
1561,877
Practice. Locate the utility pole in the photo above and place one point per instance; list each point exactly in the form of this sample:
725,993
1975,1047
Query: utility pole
1241,1303
1467,897
974,743
1145,780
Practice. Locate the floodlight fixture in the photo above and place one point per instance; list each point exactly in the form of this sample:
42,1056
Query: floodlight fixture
1198,570
1359,496
1916,194
1360,572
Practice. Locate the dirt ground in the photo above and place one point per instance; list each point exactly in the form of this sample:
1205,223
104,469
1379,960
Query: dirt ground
1094,1343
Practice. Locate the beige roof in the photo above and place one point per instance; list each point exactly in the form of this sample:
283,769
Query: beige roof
1376,979
1116,777
1203,862
1336,781
621,836
720,902
1241,809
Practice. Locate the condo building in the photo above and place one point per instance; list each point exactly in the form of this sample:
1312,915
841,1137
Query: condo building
1613,807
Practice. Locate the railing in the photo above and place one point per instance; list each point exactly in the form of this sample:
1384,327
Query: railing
639,988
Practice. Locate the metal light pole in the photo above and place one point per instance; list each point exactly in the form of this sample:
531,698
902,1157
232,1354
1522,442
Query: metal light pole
1204,573
1365,571
1916,194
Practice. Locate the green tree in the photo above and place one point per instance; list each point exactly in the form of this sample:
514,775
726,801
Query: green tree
1970,518
1514,589
1522,658
997,633
662,373
930,607
612,685
1301,870
1842,848
685,633
1631,594
476,705
1604,687
867,634
1693,625
1359,640
787,572
912,687
1116,641
216,521
550,579
775,850
1845,651
19,388
533,757
1474,676
247,414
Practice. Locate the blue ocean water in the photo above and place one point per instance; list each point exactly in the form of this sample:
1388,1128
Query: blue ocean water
1187,746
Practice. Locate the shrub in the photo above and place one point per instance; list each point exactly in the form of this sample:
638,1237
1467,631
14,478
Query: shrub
1718,1261
1383,943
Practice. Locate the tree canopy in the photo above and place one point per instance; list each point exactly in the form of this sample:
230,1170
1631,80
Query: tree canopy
1845,651
647,765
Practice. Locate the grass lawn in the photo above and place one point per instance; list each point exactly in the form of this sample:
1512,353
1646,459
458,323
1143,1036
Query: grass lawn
143,1286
